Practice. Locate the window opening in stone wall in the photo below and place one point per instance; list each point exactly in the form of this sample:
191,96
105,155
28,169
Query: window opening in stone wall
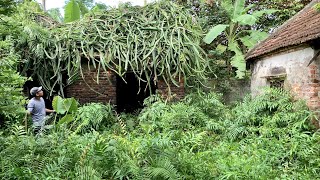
276,83
129,98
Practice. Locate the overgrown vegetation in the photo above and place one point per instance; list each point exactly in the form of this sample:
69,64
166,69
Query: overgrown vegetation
157,41
11,104
236,33
268,137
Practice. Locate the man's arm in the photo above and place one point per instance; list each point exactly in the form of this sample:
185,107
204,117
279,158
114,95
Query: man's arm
50,111
30,108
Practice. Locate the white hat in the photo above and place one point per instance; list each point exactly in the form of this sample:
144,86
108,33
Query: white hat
35,90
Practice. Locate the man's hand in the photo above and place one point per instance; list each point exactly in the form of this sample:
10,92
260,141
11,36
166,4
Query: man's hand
28,112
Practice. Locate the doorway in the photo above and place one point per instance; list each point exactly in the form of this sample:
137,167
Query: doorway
129,98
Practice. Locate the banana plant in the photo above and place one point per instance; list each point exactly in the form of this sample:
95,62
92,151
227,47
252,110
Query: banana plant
67,107
72,11
76,9
239,16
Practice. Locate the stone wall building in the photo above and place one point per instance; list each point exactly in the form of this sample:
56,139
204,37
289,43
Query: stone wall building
289,58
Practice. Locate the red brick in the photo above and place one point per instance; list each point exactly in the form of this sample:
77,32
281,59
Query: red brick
106,88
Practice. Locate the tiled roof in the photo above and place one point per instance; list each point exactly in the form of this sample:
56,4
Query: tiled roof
301,28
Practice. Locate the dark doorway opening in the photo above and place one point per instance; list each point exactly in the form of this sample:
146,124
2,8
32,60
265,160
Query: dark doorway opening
129,98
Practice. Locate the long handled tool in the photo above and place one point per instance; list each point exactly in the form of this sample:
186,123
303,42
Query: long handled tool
26,122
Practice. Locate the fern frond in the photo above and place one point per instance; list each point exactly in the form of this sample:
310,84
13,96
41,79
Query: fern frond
18,131
86,173
163,169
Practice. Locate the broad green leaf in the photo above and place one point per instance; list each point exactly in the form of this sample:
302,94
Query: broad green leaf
250,6
58,105
71,105
66,119
239,6
258,35
238,62
214,33
248,41
233,46
71,11
246,19
240,73
221,48
253,38
228,7
83,9
258,14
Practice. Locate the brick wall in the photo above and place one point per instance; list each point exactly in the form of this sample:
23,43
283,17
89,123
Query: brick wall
175,93
89,90
309,90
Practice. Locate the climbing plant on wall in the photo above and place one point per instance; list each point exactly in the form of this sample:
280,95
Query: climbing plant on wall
160,40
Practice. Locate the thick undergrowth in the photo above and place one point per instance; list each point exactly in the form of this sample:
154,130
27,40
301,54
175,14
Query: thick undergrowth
269,137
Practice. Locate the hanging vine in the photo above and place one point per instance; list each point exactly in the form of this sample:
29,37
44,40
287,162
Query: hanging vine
157,41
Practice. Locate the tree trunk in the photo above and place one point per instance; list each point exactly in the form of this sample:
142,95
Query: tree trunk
44,5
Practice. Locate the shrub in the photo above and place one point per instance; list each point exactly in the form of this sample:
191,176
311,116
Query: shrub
11,98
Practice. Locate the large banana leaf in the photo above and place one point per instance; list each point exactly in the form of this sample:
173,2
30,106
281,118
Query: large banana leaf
239,6
227,5
221,48
237,60
214,33
83,9
252,39
71,11
246,19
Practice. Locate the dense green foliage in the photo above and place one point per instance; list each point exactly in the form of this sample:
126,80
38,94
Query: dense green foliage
72,11
210,13
238,18
8,6
265,138
11,103
317,7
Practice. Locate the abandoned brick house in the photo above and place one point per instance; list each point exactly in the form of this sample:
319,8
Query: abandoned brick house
289,58
109,46
111,88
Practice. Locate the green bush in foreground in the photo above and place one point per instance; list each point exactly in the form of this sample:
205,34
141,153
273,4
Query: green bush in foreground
268,137
11,99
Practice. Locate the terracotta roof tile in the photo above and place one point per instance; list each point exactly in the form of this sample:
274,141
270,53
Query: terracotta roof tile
302,27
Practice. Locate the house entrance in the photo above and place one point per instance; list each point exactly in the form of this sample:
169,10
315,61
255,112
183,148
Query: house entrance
129,98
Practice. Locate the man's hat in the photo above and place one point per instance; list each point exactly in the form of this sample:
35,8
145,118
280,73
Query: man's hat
35,90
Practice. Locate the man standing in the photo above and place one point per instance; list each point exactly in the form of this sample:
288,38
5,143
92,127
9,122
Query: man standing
37,109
